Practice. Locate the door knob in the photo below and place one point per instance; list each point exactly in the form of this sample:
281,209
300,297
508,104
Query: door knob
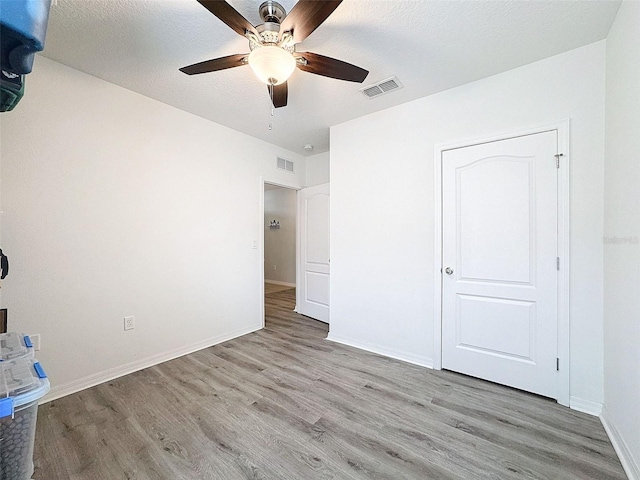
448,270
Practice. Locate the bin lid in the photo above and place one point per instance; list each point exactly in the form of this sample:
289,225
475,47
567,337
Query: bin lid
14,345
22,381
23,27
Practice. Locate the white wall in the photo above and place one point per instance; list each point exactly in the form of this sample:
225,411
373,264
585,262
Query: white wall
115,204
317,169
280,244
622,234
382,205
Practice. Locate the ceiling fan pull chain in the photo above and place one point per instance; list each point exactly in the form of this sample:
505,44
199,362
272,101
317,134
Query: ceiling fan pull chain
271,95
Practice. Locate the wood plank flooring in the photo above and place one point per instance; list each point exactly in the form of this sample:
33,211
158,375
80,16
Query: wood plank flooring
283,403
270,288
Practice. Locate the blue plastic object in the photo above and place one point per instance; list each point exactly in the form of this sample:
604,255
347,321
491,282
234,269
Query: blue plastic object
23,27
39,370
6,407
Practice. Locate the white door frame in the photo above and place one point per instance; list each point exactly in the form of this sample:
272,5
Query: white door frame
261,227
562,128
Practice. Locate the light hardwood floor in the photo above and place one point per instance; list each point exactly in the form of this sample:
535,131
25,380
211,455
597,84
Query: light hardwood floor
270,288
283,403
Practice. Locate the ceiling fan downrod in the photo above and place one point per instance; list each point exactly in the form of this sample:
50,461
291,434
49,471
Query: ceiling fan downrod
272,12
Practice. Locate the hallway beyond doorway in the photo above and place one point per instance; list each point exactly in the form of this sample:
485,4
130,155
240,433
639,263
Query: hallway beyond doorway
274,288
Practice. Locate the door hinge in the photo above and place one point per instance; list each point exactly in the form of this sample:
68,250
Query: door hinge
558,263
558,155
557,364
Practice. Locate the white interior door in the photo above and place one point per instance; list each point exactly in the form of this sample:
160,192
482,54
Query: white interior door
499,281
313,274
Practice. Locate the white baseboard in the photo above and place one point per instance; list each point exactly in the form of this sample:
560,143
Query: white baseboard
89,381
276,282
630,465
384,351
585,406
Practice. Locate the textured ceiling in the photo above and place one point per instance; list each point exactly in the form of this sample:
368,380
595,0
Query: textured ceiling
430,45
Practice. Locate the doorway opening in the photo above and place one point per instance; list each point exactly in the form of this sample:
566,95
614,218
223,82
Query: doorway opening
294,247
280,229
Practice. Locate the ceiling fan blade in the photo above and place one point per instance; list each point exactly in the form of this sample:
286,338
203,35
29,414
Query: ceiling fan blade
280,94
216,64
229,15
331,67
306,16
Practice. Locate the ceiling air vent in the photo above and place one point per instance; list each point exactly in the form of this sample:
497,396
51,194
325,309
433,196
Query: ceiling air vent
380,88
283,164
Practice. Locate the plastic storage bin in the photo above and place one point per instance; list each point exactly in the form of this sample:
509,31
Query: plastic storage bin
23,27
22,383
15,345
11,90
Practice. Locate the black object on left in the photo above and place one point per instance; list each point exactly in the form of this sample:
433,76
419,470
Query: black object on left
4,265
11,90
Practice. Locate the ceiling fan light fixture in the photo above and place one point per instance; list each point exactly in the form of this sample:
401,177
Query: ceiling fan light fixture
271,64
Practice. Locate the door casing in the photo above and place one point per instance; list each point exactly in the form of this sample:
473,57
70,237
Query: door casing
562,127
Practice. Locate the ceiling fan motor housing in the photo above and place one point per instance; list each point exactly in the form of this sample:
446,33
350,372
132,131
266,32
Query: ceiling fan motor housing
269,34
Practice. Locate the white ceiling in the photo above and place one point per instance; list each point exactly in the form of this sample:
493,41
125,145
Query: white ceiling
430,45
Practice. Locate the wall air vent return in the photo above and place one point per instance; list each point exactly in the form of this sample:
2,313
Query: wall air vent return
283,164
380,88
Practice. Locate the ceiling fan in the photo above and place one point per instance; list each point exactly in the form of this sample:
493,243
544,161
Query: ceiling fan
273,55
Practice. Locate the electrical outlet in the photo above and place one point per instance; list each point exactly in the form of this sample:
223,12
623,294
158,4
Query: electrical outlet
274,267
35,341
129,322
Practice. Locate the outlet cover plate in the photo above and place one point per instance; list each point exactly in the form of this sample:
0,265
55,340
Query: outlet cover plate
129,322
35,340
